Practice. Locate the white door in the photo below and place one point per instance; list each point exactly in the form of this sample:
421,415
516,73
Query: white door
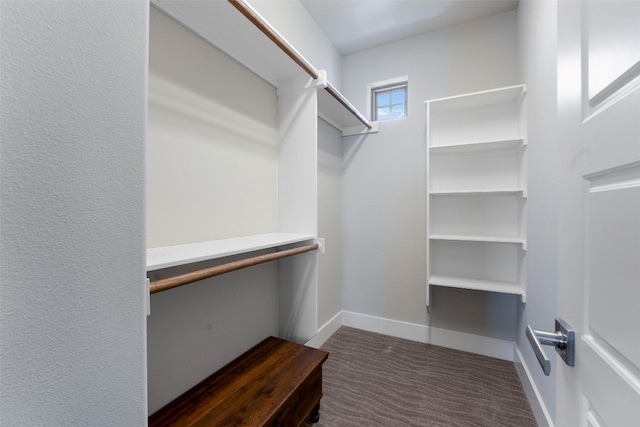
599,214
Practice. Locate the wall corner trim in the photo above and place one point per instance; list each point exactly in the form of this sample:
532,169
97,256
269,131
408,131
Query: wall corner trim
485,346
538,407
325,331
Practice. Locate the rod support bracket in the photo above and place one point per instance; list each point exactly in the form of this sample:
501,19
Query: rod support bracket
322,80
320,242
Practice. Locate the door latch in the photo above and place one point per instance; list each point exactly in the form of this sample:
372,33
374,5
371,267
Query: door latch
563,339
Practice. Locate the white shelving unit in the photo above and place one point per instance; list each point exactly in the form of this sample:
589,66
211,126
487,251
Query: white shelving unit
301,99
476,191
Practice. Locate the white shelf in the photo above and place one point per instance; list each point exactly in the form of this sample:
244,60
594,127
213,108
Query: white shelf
476,173
487,239
476,284
520,192
171,256
504,95
215,21
477,146
334,110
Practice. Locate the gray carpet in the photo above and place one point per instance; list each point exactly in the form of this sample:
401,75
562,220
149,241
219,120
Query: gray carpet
378,380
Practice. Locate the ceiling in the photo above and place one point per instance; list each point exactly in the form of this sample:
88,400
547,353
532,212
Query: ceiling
356,25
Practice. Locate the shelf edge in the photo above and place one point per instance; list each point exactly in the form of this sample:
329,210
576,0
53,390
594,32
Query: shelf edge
479,285
522,191
483,145
175,255
486,239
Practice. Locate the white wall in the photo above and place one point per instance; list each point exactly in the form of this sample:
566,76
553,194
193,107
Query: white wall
211,174
72,265
384,177
212,150
293,22
195,330
329,221
537,35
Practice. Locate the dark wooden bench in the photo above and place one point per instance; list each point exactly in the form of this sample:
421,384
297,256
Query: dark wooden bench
276,383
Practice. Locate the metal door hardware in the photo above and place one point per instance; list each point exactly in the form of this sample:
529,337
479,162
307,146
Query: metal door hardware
563,339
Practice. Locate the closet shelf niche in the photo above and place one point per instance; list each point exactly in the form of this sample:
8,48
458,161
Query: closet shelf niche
237,29
477,190
303,94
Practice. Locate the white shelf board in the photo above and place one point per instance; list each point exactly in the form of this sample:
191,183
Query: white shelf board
171,256
467,147
476,284
225,27
521,192
486,239
330,110
477,99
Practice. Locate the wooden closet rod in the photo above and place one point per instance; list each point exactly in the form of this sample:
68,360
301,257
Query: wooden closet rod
290,51
194,276
270,32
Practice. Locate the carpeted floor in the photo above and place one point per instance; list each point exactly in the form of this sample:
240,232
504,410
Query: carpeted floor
377,380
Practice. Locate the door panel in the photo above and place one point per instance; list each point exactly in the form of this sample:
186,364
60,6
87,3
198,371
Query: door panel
614,262
599,261
611,391
613,45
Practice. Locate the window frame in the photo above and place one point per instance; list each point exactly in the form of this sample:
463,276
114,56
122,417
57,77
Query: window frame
384,86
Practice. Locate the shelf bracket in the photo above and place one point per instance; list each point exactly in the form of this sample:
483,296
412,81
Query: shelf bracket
320,242
322,80
360,130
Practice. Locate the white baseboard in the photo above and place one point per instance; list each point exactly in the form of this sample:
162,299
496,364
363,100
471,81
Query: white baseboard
395,328
533,394
486,346
326,331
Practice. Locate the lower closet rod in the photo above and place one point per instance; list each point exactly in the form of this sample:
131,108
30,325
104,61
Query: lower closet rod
194,276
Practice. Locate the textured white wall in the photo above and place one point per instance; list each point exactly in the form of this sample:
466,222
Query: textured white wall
329,221
537,38
212,151
195,330
384,177
72,265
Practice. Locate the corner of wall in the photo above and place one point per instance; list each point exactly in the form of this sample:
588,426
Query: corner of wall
537,63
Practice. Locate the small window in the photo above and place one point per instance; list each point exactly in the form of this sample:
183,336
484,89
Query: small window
389,102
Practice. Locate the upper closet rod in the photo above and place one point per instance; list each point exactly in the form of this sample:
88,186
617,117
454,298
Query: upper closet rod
342,100
270,32
273,35
194,276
